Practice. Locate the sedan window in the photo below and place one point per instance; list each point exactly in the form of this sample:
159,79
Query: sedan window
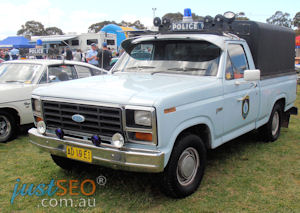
59,73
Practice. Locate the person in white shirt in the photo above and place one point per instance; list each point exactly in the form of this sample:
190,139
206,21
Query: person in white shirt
77,55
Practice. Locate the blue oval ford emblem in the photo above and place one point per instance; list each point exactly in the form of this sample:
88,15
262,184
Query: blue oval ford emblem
78,118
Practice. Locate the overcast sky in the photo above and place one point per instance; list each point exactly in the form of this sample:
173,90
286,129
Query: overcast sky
77,16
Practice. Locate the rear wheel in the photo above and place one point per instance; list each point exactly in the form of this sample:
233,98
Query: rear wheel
185,169
270,131
8,127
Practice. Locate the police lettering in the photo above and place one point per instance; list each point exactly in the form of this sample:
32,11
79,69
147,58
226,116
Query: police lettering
186,26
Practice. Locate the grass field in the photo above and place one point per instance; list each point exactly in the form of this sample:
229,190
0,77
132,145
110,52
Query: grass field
244,175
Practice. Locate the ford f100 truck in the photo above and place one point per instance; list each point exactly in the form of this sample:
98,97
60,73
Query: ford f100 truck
171,96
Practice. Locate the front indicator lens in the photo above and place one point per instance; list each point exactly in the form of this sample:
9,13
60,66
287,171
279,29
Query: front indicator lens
143,118
143,136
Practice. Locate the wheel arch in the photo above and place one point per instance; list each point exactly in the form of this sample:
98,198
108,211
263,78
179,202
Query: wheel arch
200,126
13,112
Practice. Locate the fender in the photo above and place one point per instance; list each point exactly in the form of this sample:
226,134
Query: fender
17,107
183,126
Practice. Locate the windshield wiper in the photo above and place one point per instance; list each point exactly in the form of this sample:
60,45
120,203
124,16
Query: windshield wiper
179,70
140,67
12,81
185,69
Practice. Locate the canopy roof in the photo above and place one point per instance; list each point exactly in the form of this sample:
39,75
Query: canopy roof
53,39
16,42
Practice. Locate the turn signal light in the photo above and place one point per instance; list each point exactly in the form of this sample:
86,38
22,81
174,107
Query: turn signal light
143,136
38,119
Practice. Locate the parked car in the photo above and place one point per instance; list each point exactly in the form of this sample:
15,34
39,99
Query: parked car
19,78
297,68
161,111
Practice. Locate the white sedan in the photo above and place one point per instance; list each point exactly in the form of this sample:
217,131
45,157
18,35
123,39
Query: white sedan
19,78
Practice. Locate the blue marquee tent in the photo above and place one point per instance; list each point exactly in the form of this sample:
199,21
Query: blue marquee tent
16,42
115,29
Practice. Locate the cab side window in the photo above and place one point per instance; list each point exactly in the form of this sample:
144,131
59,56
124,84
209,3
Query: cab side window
83,72
59,73
236,62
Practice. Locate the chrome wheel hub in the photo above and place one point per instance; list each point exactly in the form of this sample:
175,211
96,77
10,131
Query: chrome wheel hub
275,123
5,126
188,164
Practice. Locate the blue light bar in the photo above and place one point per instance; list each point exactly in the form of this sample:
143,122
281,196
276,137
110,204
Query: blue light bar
187,12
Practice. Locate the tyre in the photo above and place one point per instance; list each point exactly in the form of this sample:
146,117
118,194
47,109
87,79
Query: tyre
185,168
8,126
270,131
64,163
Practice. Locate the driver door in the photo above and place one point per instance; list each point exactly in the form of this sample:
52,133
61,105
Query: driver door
241,98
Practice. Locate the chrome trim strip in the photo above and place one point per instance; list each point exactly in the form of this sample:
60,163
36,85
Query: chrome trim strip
139,160
83,102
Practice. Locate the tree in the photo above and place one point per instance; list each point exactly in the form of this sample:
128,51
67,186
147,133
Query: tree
174,17
177,17
53,31
32,28
280,19
296,20
94,28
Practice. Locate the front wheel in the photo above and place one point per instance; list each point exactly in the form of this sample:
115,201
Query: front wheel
8,127
186,166
271,130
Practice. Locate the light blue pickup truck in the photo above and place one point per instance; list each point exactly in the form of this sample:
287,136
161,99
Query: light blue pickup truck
170,97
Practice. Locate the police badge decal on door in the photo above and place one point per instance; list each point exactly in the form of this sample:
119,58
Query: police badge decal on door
245,107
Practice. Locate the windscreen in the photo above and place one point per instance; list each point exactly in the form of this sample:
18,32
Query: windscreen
19,73
175,56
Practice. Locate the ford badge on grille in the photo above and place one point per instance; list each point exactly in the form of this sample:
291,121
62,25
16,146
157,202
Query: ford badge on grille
78,118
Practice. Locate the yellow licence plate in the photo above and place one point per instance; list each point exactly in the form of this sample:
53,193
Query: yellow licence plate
79,154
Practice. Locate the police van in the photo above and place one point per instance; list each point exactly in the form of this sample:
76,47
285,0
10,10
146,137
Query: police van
173,95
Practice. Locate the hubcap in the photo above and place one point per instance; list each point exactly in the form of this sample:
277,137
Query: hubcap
5,126
275,123
188,164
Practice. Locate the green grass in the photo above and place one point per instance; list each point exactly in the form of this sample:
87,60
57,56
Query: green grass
244,175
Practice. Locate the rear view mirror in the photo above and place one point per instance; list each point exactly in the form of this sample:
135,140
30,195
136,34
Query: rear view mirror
252,75
52,77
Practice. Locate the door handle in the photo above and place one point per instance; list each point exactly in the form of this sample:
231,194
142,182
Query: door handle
242,98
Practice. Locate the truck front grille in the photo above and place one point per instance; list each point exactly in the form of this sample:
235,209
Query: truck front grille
98,119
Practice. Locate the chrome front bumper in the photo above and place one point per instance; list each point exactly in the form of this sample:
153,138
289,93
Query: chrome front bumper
138,160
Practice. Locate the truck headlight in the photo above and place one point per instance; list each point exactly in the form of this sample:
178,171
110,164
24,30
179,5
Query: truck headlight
143,118
37,105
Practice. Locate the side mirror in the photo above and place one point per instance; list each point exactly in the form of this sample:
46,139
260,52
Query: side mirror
52,77
252,75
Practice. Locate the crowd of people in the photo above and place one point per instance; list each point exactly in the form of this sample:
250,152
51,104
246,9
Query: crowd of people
100,57
10,54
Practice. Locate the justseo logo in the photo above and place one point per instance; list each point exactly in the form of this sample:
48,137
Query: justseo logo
59,187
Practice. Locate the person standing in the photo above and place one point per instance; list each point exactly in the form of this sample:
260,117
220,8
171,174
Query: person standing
69,54
14,53
91,55
104,57
77,55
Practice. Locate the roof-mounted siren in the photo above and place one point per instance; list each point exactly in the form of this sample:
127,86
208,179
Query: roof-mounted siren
163,25
218,21
229,17
208,22
187,15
